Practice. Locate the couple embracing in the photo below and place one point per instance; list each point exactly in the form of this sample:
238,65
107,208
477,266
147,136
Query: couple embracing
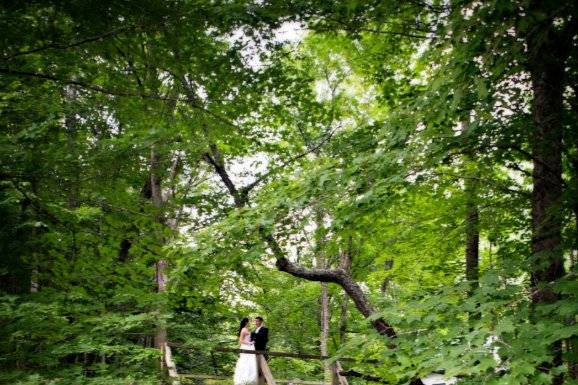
246,370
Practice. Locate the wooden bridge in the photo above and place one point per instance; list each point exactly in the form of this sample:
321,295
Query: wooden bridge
338,376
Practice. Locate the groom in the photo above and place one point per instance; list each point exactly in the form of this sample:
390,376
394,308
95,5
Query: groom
261,335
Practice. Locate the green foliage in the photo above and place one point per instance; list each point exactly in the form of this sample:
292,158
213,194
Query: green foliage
363,138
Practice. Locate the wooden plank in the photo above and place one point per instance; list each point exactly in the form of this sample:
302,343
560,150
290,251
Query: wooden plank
265,370
339,369
170,363
334,374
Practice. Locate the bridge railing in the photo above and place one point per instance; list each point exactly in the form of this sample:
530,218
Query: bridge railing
336,377
265,375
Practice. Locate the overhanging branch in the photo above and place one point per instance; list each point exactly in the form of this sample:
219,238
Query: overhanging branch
338,276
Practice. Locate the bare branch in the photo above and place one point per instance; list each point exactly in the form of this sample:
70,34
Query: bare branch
214,158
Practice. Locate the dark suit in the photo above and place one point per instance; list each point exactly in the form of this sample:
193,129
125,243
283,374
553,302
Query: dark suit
261,338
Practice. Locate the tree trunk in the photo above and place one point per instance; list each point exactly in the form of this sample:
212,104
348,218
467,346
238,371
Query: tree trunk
471,182
321,263
344,308
324,337
345,264
123,251
71,130
72,183
161,276
338,276
547,261
160,339
472,252
547,52
575,206
472,233
34,285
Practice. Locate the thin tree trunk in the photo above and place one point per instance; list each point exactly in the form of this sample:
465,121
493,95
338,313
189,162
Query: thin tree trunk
324,337
161,276
321,263
34,285
472,233
161,265
343,317
472,250
572,343
471,182
472,243
345,260
71,129
73,182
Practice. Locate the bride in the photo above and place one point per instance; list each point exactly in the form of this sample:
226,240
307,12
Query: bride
246,368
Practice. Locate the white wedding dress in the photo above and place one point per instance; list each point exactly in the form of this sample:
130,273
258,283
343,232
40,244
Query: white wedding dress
246,368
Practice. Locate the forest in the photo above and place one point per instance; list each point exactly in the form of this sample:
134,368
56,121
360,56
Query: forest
390,183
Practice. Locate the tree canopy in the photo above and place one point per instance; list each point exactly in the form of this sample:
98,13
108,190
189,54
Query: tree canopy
393,182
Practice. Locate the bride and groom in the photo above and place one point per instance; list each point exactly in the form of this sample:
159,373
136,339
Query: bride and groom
246,370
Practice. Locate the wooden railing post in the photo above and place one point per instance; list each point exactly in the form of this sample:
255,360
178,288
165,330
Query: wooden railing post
260,378
334,374
170,364
262,363
337,378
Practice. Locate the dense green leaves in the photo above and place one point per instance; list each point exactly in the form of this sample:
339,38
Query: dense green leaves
359,134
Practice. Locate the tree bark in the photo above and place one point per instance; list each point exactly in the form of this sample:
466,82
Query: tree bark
161,265
548,50
324,337
345,263
123,251
34,285
338,276
471,182
71,130
472,250
472,233
161,276
547,179
321,262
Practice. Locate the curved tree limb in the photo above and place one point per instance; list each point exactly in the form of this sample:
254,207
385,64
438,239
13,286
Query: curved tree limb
338,276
